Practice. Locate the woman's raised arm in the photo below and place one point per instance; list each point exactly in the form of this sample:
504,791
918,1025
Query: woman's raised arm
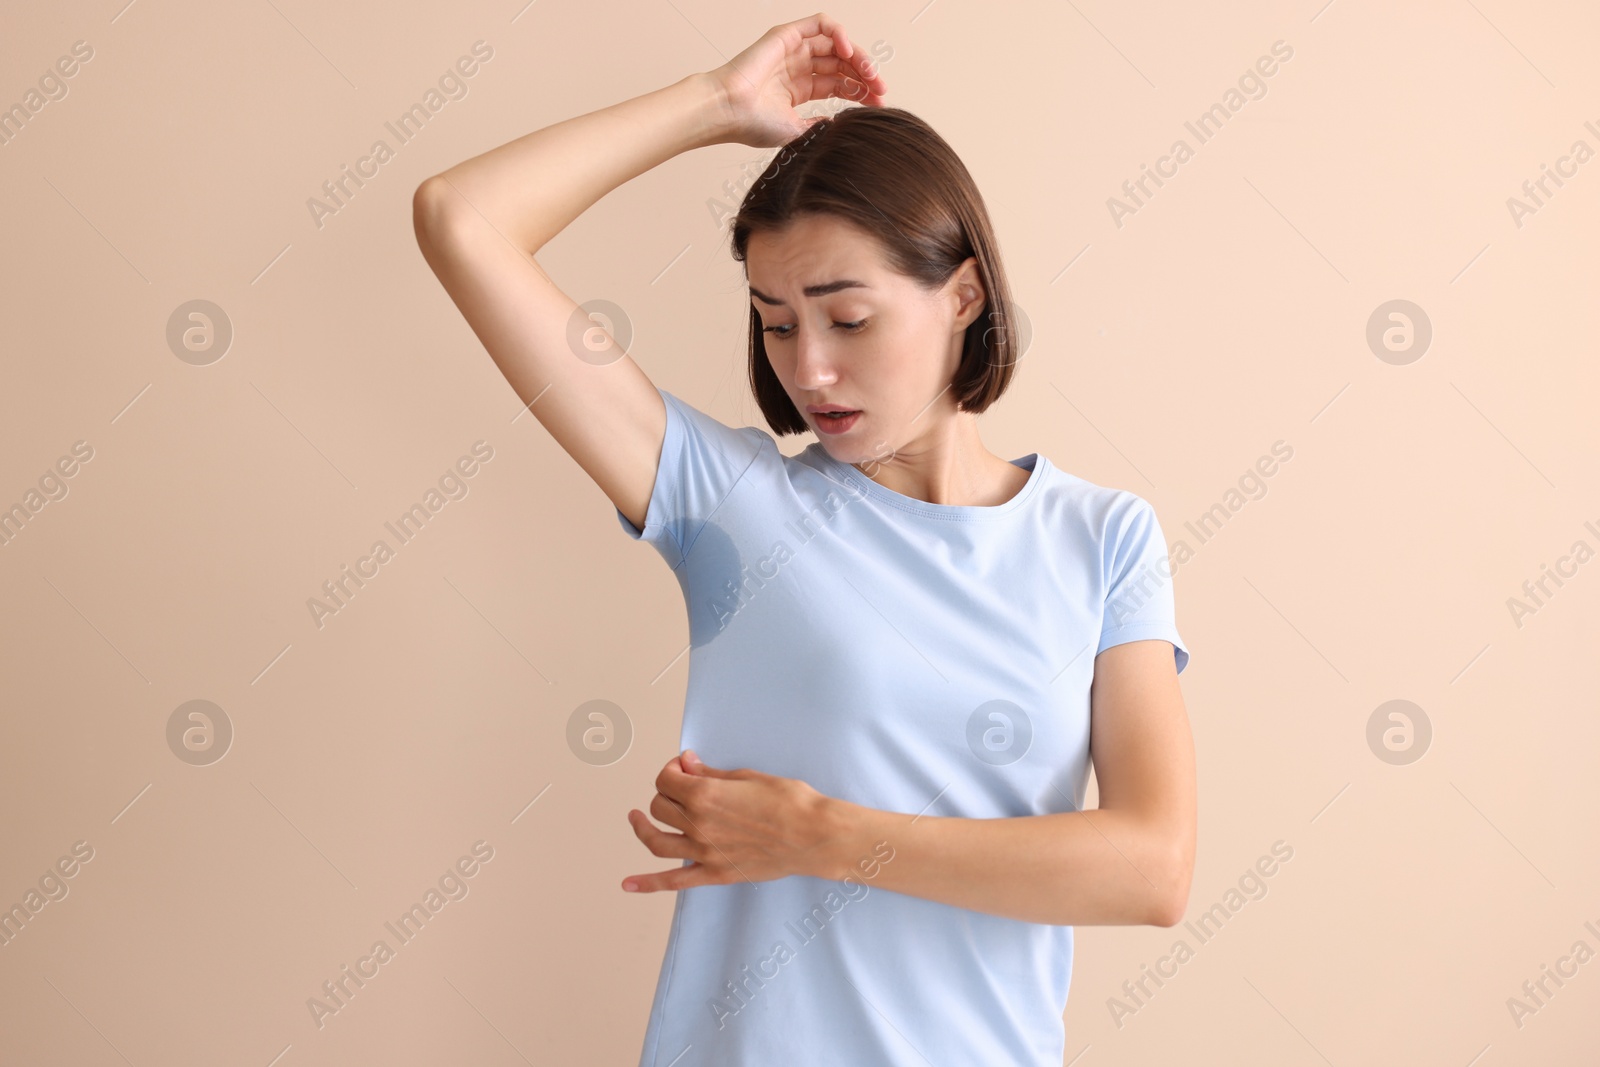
480,222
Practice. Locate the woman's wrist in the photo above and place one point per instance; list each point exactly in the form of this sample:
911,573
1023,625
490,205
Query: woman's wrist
709,109
840,827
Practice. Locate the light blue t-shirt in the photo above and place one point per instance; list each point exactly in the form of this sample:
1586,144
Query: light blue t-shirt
903,655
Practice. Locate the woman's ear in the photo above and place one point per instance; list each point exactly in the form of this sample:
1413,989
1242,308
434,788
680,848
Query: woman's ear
967,287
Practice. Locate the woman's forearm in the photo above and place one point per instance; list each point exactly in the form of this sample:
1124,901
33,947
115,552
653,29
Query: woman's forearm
1094,867
532,187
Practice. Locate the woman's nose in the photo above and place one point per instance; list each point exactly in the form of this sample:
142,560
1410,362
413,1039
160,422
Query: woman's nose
813,367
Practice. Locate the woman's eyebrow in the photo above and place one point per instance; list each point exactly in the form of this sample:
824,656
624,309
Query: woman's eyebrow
811,290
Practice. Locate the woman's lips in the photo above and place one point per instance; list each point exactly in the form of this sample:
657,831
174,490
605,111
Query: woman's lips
832,425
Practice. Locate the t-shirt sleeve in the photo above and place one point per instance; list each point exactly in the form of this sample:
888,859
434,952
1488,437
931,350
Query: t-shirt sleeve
702,459
1138,581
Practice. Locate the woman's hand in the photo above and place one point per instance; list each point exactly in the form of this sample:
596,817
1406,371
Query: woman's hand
808,59
736,826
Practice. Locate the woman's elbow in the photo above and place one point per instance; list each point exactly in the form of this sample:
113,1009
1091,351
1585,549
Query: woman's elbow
1169,910
1171,898
428,204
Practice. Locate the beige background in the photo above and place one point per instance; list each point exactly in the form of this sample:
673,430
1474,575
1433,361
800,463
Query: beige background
1169,353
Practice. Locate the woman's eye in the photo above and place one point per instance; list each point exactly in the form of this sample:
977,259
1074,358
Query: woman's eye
782,332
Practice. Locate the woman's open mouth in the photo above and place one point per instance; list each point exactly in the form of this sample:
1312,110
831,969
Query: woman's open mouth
836,421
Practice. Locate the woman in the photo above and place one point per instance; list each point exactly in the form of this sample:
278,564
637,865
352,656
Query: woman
904,647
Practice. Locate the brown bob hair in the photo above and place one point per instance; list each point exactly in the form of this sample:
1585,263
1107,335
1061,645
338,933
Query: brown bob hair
887,172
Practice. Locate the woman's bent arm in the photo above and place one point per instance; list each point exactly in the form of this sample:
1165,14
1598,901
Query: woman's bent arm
1128,861
478,224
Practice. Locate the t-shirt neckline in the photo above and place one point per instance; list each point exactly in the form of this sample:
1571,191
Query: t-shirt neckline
1035,463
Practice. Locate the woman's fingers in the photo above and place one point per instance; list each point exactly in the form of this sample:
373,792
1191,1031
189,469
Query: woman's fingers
793,63
658,841
820,24
825,38
668,846
820,46
824,86
831,74
677,878
665,809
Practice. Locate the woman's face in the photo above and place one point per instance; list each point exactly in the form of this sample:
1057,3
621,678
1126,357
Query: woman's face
842,328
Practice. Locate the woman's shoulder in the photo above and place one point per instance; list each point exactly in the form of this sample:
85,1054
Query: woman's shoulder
1101,505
